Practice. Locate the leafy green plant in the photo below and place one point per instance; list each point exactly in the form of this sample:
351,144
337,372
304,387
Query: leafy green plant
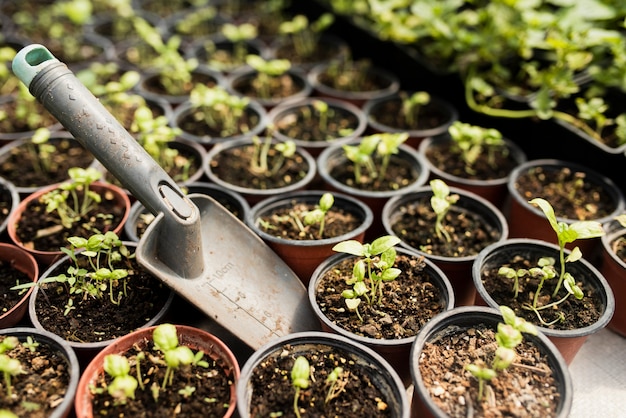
123,385
99,264
546,270
373,267
9,366
441,202
219,109
267,71
65,200
318,215
508,336
238,35
262,164
299,379
470,141
373,154
412,105
304,34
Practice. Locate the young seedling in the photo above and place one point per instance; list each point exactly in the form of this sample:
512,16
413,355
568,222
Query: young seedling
220,110
238,35
305,35
260,162
508,336
9,366
373,154
123,385
318,215
266,71
166,340
545,270
373,267
472,141
412,105
65,200
336,383
441,202
299,379
102,253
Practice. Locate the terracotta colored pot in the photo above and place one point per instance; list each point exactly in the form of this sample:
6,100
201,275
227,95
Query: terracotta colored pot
48,257
395,351
196,339
303,256
23,261
457,269
465,317
568,342
436,108
307,344
613,268
494,190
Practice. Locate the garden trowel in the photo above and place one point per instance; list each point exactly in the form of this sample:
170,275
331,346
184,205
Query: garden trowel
195,245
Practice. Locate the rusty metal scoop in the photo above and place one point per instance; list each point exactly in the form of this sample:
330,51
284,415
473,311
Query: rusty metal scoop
195,245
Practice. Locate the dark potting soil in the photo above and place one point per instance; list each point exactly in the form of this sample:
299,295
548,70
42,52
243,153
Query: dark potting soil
94,320
354,77
390,113
43,386
356,394
288,223
195,391
407,302
577,313
232,165
43,231
154,85
400,174
469,232
9,277
282,86
305,124
527,388
20,169
194,123
571,193
493,165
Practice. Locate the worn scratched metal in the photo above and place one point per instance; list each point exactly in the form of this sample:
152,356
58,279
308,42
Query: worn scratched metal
195,245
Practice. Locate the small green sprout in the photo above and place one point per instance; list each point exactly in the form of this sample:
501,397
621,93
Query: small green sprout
299,379
412,105
220,110
266,71
304,34
441,202
373,153
31,344
373,267
260,162
472,141
9,366
335,384
508,336
123,385
318,215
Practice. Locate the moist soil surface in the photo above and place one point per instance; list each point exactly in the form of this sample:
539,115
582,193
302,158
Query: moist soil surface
353,77
408,302
390,113
527,388
94,320
305,123
288,223
9,277
210,396
193,123
154,85
42,386
577,313
44,232
447,158
400,174
469,232
19,167
232,165
355,394
570,192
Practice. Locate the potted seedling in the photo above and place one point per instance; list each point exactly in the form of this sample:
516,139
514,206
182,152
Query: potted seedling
494,362
302,227
78,207
212,114
549,285
40,374
96,293
448,225
174,368
380,288
269,81
309,373
483,159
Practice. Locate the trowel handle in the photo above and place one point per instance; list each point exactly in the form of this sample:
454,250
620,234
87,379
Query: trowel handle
65,97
